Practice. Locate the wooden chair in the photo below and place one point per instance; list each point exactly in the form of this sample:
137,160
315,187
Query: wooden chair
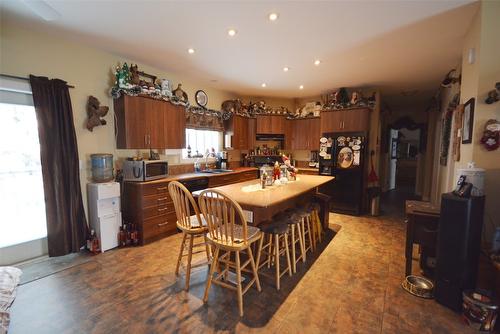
228,232
192,226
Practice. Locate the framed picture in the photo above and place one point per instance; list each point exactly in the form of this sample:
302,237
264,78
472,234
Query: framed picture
468,121
394,148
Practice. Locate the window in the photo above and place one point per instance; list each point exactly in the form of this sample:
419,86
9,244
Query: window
22,202
202,140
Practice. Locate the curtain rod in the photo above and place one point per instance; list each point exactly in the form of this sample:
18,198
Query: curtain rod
23,78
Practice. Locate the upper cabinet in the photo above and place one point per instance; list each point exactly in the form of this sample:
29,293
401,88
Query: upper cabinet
270,124
302,134
347,120
143,122
238,128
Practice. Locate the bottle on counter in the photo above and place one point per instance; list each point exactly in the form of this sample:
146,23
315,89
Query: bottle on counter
263,180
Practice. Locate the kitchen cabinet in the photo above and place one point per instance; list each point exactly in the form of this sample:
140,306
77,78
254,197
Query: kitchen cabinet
149,206
218,180
174,125
347,120
289,134
252,132
270,124
239,130
302,134
143,122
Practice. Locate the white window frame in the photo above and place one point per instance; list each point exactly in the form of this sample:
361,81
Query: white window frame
34,248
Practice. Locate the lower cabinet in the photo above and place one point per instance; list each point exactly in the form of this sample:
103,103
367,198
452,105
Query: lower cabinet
223,179
150,207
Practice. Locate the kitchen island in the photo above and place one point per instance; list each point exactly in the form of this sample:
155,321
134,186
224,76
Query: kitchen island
261,204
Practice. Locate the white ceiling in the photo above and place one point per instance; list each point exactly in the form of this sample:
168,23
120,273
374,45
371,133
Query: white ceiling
393,45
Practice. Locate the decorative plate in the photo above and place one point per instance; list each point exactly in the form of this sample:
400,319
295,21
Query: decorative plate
201,98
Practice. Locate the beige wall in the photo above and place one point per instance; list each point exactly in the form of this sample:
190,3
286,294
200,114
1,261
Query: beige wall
477,79
24,52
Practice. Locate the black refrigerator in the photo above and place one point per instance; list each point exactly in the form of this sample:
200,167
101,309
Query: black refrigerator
342,155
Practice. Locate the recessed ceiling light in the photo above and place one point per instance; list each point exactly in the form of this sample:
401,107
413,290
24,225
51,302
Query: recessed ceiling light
301,87
231,32
286,69
263,85
317,62
190,50
273,16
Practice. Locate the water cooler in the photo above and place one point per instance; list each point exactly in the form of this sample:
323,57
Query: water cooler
104,212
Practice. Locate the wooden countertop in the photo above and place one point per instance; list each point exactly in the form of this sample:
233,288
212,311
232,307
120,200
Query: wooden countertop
189,176
422,208
249,194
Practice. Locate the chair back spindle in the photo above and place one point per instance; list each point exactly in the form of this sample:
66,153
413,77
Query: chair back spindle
225,220
183,203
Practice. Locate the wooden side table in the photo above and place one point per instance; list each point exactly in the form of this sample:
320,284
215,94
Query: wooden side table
422,226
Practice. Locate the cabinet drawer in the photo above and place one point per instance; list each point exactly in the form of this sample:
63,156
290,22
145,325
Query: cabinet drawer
250,175
159,226
155,189
152,200
158,210
220,180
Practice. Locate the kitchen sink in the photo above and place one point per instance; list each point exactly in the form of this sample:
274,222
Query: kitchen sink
216,171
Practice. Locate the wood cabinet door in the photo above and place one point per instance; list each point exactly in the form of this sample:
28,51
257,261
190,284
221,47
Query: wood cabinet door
313,133
252,132
289,134
136,122
278,125
331,121
300,134
355,120
240,132
154,114
264,125
174,125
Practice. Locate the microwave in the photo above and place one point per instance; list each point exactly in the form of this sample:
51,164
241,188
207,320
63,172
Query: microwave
144,170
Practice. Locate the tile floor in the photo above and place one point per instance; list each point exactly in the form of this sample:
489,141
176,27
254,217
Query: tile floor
351,285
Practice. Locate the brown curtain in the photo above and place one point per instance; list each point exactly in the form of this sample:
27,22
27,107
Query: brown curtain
66,224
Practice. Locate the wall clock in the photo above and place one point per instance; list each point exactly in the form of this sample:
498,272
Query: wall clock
201,98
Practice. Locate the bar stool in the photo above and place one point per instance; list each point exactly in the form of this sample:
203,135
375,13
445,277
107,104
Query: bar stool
277,233
315,209
192,226
303,214
228,232
295,221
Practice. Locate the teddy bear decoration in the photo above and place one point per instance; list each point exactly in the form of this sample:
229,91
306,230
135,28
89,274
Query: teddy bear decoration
94,112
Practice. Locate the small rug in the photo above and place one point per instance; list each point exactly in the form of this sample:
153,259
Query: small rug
9,278
36,270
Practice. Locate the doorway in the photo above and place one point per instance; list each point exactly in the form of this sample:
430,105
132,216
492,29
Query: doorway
405,161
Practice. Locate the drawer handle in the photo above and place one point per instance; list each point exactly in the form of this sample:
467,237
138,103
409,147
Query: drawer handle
161,188
162,224
162,209
162,199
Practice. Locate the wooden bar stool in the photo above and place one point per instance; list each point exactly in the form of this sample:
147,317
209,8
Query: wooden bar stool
192,226
276,246
315,209
304,214
228,232
296,236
